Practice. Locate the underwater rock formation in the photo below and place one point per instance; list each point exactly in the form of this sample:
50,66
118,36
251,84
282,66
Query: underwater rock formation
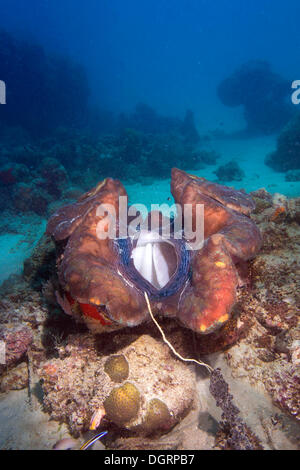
17,340
54,176
148,144
27,197
74,157
14,372
262,93
103,279
12,172
292,175
139,388
54,90
32,189
188,128
149,155
231,171
146,120
131,142
287,155
207,157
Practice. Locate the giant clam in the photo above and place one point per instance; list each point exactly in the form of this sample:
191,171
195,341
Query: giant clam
103,279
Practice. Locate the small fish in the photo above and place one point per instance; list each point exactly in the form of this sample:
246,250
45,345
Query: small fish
65,444
97,418
93,440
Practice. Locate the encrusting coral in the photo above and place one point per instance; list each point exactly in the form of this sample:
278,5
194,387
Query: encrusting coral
117,368
80,382
123,404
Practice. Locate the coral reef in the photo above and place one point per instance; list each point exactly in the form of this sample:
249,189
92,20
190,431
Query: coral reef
33,190
53,176
188,128
153,155
231,171
37,172
261,92
146,120
26,197
287,155
16,378
11,173
292,175
17,339
103,279
54,91
207,157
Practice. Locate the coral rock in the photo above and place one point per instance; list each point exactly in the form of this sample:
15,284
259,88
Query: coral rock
17,339
148,399
230,172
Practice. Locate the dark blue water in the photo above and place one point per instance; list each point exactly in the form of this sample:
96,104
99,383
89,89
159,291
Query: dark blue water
168,53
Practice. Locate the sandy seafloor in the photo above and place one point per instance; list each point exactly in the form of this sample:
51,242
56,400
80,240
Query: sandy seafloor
249,153
25,426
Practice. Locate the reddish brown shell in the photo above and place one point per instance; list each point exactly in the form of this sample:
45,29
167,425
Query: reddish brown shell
92,270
